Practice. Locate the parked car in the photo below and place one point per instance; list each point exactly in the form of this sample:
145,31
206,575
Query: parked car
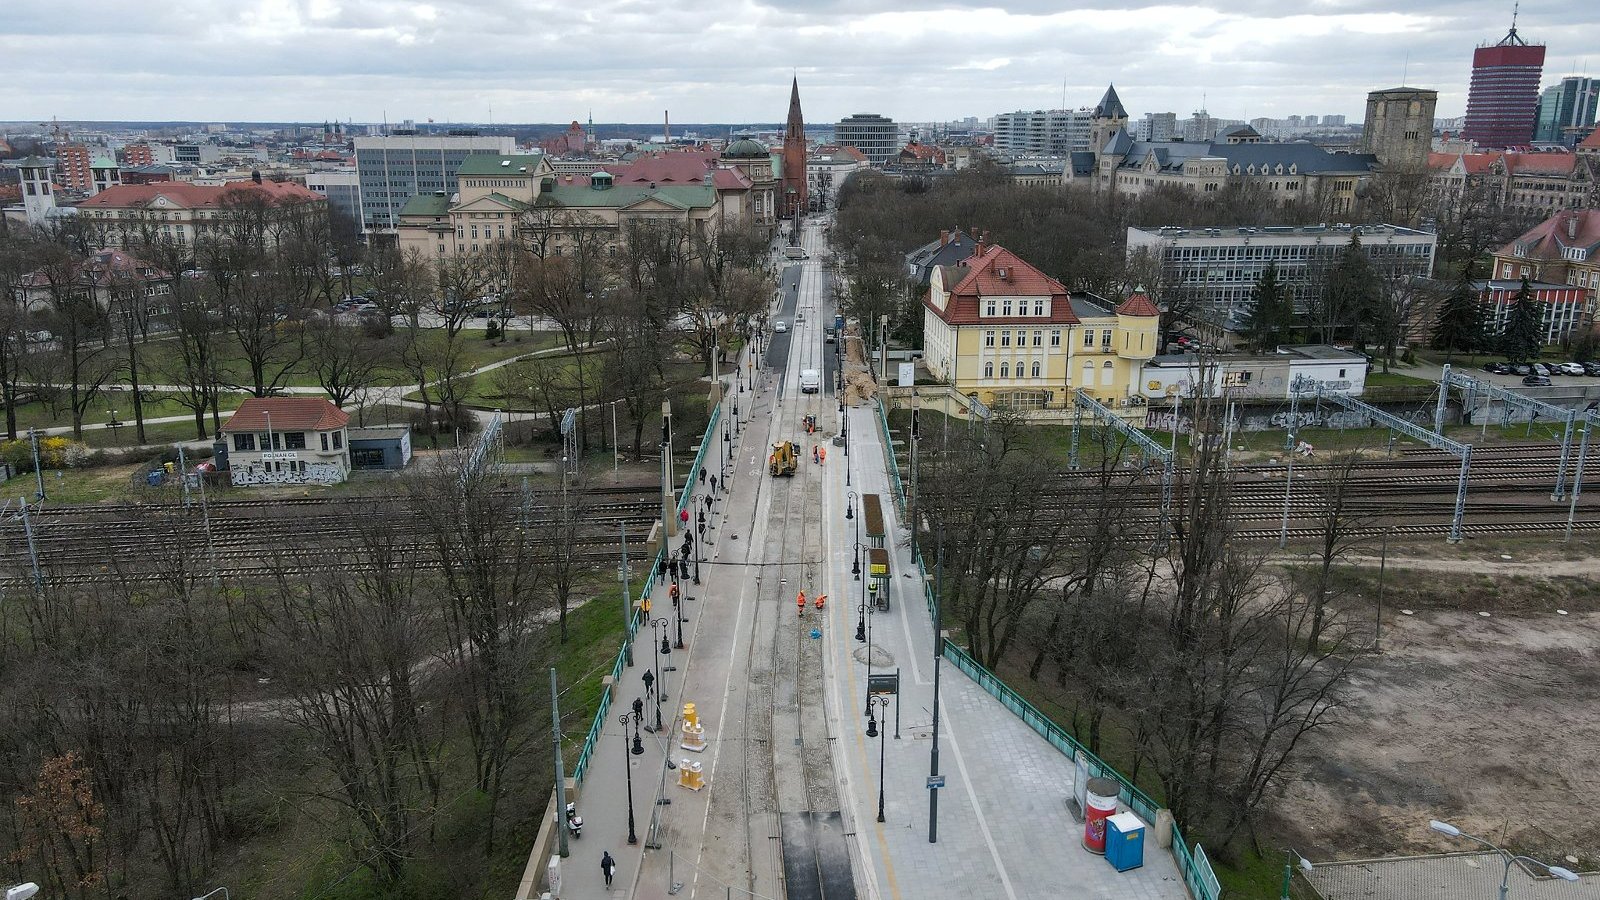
1536,381
1540,369
781,326
1572,368
1522,369
1592,369
1497,368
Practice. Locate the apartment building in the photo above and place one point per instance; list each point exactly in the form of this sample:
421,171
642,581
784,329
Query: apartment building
393,168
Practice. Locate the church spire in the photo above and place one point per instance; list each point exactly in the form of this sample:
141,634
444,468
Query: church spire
797,124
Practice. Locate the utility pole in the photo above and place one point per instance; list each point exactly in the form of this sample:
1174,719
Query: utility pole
669,520
627,598
38,470
561,774
938,655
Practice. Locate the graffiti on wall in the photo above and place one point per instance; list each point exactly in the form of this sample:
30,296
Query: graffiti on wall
314,473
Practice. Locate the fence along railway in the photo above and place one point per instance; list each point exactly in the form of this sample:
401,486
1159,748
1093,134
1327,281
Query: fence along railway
271,536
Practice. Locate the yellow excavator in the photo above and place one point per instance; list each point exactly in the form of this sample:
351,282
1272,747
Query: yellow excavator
785,458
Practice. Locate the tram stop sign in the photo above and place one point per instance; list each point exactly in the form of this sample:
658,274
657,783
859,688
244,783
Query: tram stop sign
883,684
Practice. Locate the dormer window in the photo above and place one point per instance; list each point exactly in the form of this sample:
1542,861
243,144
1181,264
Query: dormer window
1006,308
988,307
1519,249
1576,254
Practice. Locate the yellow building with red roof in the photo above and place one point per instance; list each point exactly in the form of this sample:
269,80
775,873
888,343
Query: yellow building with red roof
998,329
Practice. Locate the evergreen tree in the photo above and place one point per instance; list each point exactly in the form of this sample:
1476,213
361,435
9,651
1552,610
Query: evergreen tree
1524,332
1352,294
1460,325
1272,313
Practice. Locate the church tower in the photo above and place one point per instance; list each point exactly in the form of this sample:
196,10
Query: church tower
38,194
795,195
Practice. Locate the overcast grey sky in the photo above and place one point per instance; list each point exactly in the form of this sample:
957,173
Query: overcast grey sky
730,60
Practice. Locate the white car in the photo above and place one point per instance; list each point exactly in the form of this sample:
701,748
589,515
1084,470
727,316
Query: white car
810,381
1571,368
781,327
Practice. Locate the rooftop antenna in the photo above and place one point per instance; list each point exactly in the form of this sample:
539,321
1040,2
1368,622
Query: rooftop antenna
1405,71
1063,93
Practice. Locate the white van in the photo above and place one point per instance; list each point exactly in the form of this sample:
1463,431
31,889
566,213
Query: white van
810,381
795,253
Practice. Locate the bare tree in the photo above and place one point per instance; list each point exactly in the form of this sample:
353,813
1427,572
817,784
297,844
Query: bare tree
346,358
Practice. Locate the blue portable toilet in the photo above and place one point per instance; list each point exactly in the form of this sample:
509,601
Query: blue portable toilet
1125,841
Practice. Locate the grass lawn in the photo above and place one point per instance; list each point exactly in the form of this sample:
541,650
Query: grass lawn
76,485
39,415
1395,379
159,360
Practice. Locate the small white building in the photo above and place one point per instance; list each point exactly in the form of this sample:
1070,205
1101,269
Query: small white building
287,440
1265,376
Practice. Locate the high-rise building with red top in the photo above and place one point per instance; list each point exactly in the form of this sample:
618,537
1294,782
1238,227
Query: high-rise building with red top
794,157
1503,101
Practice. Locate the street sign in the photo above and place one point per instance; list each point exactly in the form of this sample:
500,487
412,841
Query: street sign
279,456
935,782
908,374
883,684
567,420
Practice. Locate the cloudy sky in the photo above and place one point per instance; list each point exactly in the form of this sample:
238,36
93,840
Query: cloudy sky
730,60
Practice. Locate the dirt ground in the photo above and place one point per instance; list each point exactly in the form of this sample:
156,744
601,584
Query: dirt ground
1489,722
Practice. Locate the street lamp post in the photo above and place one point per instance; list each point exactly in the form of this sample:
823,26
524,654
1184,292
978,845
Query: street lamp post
211,893
881,702
678,616
1445,828
662,647
627,765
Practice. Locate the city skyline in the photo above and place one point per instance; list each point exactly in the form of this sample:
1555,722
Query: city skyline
300,60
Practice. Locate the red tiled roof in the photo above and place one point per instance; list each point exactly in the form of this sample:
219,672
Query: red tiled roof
1540,163
1592,142
101,269
1546,240
287,414
194,196
1138,305
1022,280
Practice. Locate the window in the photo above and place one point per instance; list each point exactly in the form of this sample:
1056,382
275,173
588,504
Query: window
294,440
324,442
1055,337
988,338
244,442
338,439
1036,368
1088,337
273,441
1105,339
1038,338
1341,373
1007,308
1005,370
988,370
1005,338
1038,307
1108,374
988,307
1088,375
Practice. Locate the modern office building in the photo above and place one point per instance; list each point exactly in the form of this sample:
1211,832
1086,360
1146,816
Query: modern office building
393,168
1503,99
1217,268
876,136
343,190
1043,132
1567,111
1156,127
1399,127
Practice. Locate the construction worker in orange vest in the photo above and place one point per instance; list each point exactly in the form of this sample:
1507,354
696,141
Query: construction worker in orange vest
821,599
800,601
822,455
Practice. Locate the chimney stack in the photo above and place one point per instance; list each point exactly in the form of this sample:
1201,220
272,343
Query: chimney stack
1572,226
944,238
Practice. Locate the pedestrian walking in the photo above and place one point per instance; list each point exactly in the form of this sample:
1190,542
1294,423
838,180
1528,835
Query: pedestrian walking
823,455
702,475
816,455
713,484
708,503
608,867
672,566
800,601
821,599
672,592
702,527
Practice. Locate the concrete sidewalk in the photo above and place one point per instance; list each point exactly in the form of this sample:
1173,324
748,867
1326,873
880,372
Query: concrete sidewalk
1004,828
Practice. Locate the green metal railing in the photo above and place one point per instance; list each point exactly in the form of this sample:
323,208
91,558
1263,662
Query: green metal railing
890,462
586,752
